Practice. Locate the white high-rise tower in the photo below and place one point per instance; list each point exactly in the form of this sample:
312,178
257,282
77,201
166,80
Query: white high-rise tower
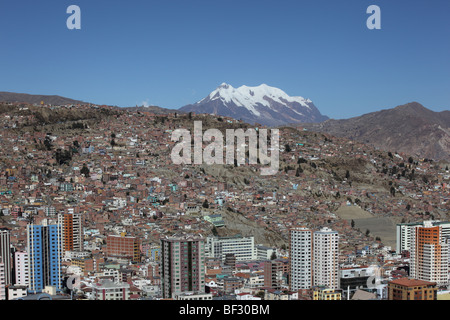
300,258
326,258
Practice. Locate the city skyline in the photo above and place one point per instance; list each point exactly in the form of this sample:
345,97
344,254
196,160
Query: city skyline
239,187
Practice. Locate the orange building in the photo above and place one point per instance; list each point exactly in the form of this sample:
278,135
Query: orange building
429,255
67,230
72,238
411,289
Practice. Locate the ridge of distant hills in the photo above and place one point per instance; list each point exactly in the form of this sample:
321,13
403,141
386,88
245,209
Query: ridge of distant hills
410,128
36,99
152,109
12,97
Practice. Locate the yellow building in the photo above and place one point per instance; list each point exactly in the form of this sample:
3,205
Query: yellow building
443,295
323,293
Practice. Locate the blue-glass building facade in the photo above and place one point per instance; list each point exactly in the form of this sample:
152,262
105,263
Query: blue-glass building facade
44,250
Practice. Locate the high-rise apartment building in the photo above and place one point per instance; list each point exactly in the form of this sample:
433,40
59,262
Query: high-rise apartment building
326,258
2,280
72,233
182,264
405,231
5,254
429,254
314,258
21,268
301,250
44,253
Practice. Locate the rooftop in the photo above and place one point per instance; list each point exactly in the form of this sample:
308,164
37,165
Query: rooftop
407,282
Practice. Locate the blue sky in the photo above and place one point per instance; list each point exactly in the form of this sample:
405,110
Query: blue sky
173,53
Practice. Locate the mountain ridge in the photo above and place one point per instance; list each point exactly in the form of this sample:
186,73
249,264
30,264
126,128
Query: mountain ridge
410,128
14,97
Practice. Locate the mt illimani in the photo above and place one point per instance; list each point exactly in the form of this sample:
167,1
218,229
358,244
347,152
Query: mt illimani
262,104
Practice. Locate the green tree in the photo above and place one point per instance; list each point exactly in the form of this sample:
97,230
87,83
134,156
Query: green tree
48,143
85,170
393,191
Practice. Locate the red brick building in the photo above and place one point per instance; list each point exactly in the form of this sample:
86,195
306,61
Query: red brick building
123,247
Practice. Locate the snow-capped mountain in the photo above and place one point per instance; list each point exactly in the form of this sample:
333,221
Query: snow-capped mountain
262,104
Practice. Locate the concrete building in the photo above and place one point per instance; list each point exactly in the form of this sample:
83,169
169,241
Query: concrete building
242,247
324,293
2,280
182,264
354,278
326,258
22,268
17,292
405,231
5,254
411,289
274,273
109,290
192,296
72,233
264,253
123,247
45,252
301,258
429,254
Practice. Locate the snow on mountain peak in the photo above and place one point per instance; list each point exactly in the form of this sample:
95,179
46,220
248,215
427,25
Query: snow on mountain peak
260,104
251,97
